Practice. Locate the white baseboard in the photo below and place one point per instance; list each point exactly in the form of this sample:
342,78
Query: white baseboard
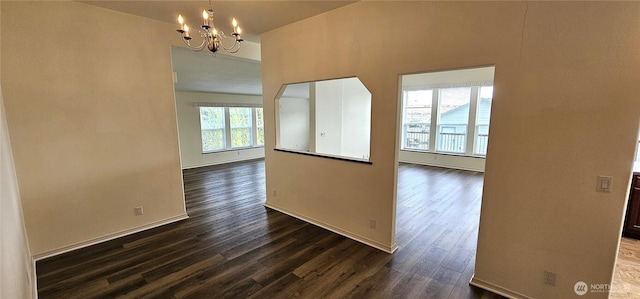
442,160
108,237
441,165
226,161
355,237
496,289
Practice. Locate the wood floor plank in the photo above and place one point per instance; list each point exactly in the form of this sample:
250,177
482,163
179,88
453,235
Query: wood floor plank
341,276
410,286
294,256
441,283
429,261
326,259
276,233
233,247
223,279
352,276
243,289
153,287
405,260
276,288
626,278
379,285
159,258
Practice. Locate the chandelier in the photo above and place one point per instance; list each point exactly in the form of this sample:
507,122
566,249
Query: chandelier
212,39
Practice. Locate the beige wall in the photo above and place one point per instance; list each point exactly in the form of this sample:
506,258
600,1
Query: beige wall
189,128
565,111
17,275
91,112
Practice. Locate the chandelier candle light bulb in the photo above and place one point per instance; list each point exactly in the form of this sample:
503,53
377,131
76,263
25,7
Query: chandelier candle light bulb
212,39
205,15
186,31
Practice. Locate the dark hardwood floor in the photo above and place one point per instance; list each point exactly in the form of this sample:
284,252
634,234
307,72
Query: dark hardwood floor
234,247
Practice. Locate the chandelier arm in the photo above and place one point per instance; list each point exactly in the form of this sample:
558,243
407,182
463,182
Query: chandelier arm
198,48
233,49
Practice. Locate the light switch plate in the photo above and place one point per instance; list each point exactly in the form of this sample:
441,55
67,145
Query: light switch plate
604,183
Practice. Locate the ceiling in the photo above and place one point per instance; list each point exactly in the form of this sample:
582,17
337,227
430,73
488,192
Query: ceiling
255,17
204,72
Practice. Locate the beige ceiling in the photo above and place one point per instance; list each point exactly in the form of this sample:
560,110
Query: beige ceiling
255,17
205,72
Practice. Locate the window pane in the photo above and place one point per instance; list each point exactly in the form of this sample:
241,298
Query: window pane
259,126
482,120
240,121
453,119
417,119
212,128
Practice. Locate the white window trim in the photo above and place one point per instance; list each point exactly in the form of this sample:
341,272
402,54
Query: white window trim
435,119
471,124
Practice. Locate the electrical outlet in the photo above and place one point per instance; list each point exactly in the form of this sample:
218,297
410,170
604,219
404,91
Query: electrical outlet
372,223
139,211
275,193
549,278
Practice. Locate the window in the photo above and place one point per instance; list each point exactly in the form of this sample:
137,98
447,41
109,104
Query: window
417,119
453,119
241,128
259,126
447,112
227,128
212,129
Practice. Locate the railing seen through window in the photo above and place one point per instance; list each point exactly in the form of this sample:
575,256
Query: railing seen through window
447,112
417,138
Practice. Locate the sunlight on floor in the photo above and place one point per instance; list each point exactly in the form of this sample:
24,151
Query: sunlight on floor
626,279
